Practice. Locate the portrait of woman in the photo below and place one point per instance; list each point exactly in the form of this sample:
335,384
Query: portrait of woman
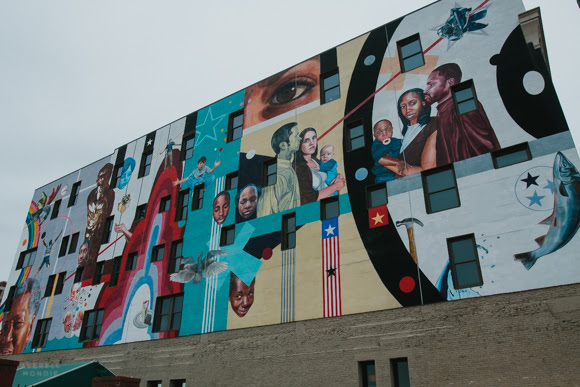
312,181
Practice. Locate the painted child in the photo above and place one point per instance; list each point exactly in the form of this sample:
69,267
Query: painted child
198,176
328,165
384,145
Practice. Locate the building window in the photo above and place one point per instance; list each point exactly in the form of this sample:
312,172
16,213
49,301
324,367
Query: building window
440,189
99,270
289,231
330,83
269,169
9,298
182,200
154,383
92,322
55,209
377,195
131,261
465,268
400,372
228,235
74,194
26,258
145,166
367,373
107,230
198,193
141,212
177,383
60,283
329,208
41,333
464,97
49,285
63,246
165,204
410,53
187,149
511,155
356,135
175,256
116,272
157,253
79,274
116,178
73,243
236,125
232,181
168,313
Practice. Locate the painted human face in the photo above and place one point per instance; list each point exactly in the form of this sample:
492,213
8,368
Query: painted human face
221,208
383,131
16,327
282,92
200,165
242,297
294,140
83,254
101,178
248,202
326,154
411,107
437,89
309,143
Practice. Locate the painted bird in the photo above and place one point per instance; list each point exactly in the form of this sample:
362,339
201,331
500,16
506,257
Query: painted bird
206,267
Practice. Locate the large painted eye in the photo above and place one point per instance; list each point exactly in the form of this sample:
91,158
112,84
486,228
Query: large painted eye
292,90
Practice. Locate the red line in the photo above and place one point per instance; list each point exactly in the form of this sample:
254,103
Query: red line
433,45
478,7
112,243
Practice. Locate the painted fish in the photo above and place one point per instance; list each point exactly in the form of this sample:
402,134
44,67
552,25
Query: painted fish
565,220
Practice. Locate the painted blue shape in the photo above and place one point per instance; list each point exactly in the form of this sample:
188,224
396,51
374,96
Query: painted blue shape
329,228
361,174
128,168
535,199
549,186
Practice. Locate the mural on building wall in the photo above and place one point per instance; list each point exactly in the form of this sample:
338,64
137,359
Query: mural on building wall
184,232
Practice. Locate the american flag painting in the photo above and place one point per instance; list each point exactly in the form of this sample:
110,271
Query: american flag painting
331,268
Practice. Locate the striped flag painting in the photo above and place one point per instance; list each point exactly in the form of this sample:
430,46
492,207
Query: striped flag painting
331,268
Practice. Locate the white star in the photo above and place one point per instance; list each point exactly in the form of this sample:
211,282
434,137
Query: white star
213,123
149,142
330,230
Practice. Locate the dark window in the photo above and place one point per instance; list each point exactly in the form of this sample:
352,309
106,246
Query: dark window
377,195
9,298
289,231
177,383
464,97
410,53
440,189
330,83
269,169
79,274
92,322
400,372
116,178
55,209
182,200
228,235
165,204
63,246
131,261
168,313
198,193
107,230
157,253
356,135
41,333
236,125
26,258
175,256
511,155
73,243
465,268
141,212
49,285
187,147
154,383
232,180
368,373
116,272
74,194
99,270
145,166
329,208
60,283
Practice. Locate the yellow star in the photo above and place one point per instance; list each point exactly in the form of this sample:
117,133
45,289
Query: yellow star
392,66
378,219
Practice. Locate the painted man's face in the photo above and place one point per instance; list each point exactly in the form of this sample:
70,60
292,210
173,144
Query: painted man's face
221,208
248,202
437,88
16,327
242,297
294,140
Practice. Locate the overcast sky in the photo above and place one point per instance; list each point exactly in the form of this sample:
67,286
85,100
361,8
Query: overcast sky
79,79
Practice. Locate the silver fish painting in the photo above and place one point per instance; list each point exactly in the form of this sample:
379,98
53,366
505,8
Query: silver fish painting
565,219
